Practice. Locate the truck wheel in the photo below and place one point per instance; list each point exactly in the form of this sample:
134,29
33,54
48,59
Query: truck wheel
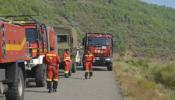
16,89
40,75
109,67
73,68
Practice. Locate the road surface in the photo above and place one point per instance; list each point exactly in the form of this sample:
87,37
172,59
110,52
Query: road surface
102,86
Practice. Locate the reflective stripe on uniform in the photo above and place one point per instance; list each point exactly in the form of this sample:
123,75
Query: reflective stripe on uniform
55,79
88,55
66,72
51,55
49,80
67,58
87,71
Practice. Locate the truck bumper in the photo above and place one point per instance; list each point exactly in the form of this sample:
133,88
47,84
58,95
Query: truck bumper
2,75
102,61
2,79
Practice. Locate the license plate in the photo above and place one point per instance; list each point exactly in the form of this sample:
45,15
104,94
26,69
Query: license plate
104,47
97,58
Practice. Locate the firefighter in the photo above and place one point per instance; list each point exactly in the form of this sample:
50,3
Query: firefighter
67,63
52,60
88,59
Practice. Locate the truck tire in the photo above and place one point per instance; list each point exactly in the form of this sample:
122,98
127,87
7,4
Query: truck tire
109,67
40,75
16,89
74,68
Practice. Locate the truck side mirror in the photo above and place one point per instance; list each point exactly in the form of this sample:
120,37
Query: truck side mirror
114,41
83,41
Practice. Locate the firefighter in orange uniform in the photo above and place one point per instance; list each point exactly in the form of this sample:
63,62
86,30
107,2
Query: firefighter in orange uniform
88,59
52,60
67,63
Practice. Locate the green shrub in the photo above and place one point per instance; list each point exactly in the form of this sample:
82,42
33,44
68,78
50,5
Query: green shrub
146,84
165,75
143,63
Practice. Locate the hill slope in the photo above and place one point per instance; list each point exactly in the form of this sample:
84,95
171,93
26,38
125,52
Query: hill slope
146,30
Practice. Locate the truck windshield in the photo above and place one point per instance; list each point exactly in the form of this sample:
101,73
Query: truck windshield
62,38
99,41
31,34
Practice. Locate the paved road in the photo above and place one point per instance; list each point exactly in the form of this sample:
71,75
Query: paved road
101,87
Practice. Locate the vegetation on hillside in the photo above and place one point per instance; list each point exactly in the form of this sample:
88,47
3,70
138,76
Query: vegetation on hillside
142,28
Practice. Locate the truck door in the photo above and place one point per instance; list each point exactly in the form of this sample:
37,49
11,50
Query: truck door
32,41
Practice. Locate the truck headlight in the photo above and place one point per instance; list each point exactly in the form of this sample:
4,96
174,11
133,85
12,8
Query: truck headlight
108,59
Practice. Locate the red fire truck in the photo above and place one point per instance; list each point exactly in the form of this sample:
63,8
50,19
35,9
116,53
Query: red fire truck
101,45
23,45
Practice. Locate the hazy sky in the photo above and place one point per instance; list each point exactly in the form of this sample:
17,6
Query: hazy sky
169,3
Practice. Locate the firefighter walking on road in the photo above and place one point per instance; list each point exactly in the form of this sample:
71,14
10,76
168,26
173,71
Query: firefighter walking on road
52,60
67,63
88,59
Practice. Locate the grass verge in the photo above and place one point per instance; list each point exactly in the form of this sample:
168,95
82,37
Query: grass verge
144,80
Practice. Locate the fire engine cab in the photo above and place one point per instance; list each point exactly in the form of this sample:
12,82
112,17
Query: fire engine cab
101,45
23,44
